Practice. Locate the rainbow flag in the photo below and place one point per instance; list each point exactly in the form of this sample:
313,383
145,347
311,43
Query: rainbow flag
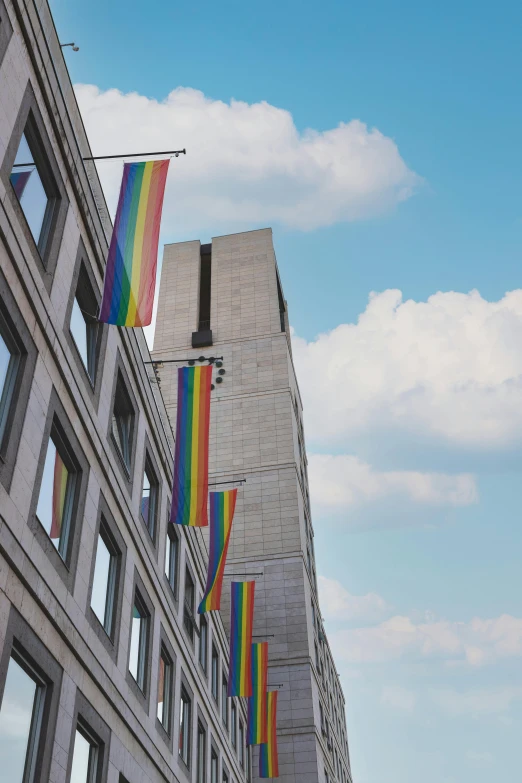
268,761
19,180
190,488
61,475
256,727
241,622
222,505
130,276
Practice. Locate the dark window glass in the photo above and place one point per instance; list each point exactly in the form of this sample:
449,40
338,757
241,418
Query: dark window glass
225,776
9,364
201,756
55,501
188,608
214,674
184,726
233,724
104,581
149,498
224,700
20,718
139,640
27,183
203,643
165,690
214,765
171,559
241,744
123,422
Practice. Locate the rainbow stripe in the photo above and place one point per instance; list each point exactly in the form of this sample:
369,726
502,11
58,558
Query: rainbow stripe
241,622
222,505
130,276
256,727
268,759
190,488
61,475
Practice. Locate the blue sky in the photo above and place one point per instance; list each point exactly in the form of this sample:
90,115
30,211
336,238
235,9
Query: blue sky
414,430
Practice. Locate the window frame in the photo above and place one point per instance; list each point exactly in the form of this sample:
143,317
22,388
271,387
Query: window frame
150,467
58,421
148,608
233,724
127,471
185,697
89,723
172,540
111,531
224,700
241,744
30,122
21,643
214,754
214,692
189,623
166,652
201,768
203,643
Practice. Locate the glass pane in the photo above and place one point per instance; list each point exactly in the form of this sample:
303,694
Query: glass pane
184,729
5,358
134,658
145,498
52,506
162,706
80,764
79,332
213,769
29,190
100,584
15,722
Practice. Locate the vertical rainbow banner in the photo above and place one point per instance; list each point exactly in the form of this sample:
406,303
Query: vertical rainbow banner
130,275
222,505
190,487
61,475
257,725
268,760
241,622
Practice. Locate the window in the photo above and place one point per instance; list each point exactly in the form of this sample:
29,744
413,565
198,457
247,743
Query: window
224,700
185,714
241,744
139,641
214,765
9,365
85,762
27,179
55,501
203,643
225,776
103,595
20,721
233,724
165,679
317,659
188,606
214,674
171,558
313,614
123,422
201,754
84,329
149,497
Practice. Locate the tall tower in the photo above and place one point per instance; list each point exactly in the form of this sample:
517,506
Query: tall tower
225,299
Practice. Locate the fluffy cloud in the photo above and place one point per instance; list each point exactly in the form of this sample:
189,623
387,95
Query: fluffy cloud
247,164
476,643
338,604
341,483
448,369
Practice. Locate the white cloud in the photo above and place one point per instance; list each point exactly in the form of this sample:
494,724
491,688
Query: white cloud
475,643
247,164
449,368
398,697
477,701
341,483
338,604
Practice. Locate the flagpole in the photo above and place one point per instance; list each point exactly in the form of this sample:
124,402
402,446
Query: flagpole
176,153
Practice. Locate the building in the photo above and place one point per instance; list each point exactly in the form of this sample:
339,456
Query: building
106,673
225,299
96,598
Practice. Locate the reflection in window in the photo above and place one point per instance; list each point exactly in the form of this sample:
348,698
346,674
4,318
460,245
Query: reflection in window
214,761
149,498
188,608
203,643
241,744
22,703
184,727
164,690
9,363
84,330
233,722
29,189
55,501
214,674
122,422
171,559
138,645
224,700
201,754
85,760
104,582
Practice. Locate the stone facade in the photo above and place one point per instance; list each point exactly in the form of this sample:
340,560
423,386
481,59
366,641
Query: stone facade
257,435
46,619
